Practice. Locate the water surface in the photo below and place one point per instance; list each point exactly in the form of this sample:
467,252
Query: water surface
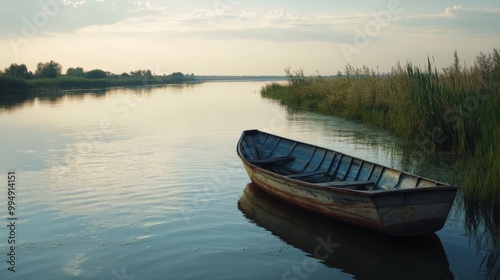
145,184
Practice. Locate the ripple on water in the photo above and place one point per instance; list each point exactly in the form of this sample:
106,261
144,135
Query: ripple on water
157,195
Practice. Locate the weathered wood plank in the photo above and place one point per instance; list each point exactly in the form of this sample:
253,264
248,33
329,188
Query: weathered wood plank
301,175
271,160
346,184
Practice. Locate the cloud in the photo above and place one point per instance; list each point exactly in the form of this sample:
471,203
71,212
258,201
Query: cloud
275,25
73,3
457,19
280,17
459,10
59,16
144,18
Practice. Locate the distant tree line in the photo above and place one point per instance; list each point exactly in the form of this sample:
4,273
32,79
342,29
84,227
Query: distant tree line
49,76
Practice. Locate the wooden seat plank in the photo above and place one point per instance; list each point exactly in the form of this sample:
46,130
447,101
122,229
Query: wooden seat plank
346,184
271,160
300,175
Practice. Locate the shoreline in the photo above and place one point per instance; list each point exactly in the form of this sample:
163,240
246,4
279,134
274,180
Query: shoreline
10,86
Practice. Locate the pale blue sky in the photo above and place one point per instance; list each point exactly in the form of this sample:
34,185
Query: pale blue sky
243,37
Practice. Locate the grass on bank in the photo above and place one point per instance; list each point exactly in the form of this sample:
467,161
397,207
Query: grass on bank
455,110
9,85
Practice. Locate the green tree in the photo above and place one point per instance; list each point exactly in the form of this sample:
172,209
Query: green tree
48,70
18,71
142,74
75,72
177,77
136,74
96,74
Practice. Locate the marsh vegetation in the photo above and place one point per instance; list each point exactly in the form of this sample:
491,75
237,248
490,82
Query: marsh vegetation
454,110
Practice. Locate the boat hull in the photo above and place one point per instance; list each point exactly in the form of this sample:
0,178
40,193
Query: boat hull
402,212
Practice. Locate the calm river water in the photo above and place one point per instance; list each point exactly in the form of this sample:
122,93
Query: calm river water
145,184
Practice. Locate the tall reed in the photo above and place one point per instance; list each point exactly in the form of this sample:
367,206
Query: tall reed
456,109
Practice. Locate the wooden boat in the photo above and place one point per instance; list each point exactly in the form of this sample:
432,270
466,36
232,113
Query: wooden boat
343,187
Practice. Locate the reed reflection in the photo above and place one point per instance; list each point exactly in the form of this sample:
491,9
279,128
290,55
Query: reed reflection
483,228
364,254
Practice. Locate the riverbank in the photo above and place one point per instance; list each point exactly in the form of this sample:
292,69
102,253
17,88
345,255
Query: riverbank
453,110
9,85
14,85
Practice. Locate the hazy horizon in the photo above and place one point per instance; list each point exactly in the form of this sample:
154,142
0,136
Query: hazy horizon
238,37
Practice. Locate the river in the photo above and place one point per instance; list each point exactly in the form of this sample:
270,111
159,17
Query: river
144,183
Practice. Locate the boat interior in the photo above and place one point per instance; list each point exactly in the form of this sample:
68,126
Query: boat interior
323,167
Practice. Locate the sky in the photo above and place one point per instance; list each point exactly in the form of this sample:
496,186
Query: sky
243,37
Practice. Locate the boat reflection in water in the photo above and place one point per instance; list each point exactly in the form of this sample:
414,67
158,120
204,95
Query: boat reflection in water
362,253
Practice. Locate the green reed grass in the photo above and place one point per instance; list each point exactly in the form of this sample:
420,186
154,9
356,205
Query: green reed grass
456,109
